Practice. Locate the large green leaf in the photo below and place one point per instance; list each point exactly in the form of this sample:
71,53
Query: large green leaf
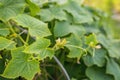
74,44
96,73
107,43
98,58
6,44
80,14
36,27
21,65
52,13
10,8
4,30
113,68
64,28
40,49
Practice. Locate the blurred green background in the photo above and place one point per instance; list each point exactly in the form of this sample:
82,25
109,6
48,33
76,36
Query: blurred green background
111,8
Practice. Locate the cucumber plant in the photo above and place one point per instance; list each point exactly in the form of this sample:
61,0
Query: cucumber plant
36,35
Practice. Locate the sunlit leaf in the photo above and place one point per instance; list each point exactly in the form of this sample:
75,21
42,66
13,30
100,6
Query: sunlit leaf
10,8
21,65
40,49
6,44
36,27
4,30
91,40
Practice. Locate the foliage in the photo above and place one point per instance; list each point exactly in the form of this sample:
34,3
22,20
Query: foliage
32,32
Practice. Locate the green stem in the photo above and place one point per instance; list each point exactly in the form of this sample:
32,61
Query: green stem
22,40
27,38
13,31
93,52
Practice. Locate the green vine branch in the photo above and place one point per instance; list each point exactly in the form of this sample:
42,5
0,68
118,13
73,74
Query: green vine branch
18,35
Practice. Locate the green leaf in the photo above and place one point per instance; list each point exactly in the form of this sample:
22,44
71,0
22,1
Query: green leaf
10,8
21,65
104,41
6,44
78,1
4,30
91,40
92,28
64,28
40,49
80,14
36,27
42,2
48,52
74,44
33,7
60,2
113,68
97,73
40,43
52,13
113,50
98,59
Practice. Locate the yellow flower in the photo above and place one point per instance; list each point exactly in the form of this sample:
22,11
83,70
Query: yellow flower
60,43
